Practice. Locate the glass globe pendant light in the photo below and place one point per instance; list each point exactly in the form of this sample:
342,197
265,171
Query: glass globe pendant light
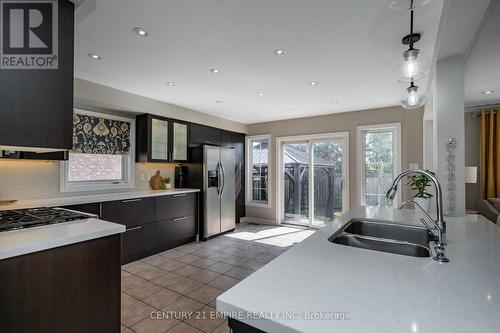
414,64
414,97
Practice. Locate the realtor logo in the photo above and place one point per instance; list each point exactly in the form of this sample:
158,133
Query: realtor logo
29,34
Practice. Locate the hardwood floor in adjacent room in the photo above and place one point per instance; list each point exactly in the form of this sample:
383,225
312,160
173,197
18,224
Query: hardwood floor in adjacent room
175,291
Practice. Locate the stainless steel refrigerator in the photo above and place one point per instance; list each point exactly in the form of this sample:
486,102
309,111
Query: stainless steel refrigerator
219,209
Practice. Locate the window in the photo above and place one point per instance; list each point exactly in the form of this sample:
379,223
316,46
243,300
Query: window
379,162
90,172
258,182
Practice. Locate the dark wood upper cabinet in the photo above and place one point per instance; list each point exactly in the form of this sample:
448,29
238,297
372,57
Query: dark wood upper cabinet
160,139
36,107
204,135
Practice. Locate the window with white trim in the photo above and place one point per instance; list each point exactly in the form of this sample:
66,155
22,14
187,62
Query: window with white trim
91,172
379,161
258,182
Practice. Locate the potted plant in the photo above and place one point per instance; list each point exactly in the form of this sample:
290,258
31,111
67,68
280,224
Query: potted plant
168,185
420,184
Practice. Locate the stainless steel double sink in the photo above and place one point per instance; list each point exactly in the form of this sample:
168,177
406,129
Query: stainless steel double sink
385,236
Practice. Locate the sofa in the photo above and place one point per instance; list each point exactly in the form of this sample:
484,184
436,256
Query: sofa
490,209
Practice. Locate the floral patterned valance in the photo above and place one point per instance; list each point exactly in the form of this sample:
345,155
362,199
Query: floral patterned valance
97,135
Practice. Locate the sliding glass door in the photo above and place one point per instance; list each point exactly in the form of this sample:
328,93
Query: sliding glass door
328,175
296,182
313,173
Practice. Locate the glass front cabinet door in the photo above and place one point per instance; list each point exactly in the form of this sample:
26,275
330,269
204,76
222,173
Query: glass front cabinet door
179,141
161,140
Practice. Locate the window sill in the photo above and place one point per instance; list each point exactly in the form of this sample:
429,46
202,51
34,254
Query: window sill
95,187
258,204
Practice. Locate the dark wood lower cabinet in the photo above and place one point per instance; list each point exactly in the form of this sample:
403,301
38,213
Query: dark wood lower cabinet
130,212
138,242
237,326
176,231
175,205
89,208
73,288
153,224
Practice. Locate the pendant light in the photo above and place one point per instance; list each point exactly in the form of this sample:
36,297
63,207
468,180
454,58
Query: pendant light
405,5
414,64
414,97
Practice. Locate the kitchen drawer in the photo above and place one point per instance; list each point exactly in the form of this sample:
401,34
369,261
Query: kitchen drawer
137,242
89,208
174,230
131,212
175,205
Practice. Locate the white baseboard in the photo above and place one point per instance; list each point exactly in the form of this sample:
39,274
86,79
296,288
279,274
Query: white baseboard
247,219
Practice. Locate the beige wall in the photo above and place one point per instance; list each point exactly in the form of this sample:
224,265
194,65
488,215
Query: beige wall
411,141
473,157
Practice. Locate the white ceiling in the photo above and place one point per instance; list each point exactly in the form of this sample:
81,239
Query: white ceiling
482,70
347,46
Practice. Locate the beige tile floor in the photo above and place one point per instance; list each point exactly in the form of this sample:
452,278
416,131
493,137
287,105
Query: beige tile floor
175,291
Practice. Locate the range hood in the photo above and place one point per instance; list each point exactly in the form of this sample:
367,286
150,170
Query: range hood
29,153
36,117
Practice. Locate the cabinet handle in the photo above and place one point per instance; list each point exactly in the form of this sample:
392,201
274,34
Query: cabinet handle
131,200
132,229
180,195
180,218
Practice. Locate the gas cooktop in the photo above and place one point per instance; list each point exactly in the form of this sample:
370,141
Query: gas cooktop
34,217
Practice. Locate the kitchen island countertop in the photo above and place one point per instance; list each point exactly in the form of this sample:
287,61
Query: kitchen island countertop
378,292
18,242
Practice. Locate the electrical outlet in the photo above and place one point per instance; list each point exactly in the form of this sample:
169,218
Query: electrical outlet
413,166
143,178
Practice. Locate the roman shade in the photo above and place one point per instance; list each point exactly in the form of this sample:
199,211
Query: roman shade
99,135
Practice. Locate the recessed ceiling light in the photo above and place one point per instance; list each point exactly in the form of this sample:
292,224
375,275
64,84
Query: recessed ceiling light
219,101
215,71
170,84
313,83
140,32
279,52
94,56
487,92
260,93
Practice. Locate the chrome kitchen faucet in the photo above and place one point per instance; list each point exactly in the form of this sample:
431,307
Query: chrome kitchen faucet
438,227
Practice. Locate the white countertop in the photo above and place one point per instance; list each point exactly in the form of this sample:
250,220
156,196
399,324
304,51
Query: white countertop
74,200
19,242
382,292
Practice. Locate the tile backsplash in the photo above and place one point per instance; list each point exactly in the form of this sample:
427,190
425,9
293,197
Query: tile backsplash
40,179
